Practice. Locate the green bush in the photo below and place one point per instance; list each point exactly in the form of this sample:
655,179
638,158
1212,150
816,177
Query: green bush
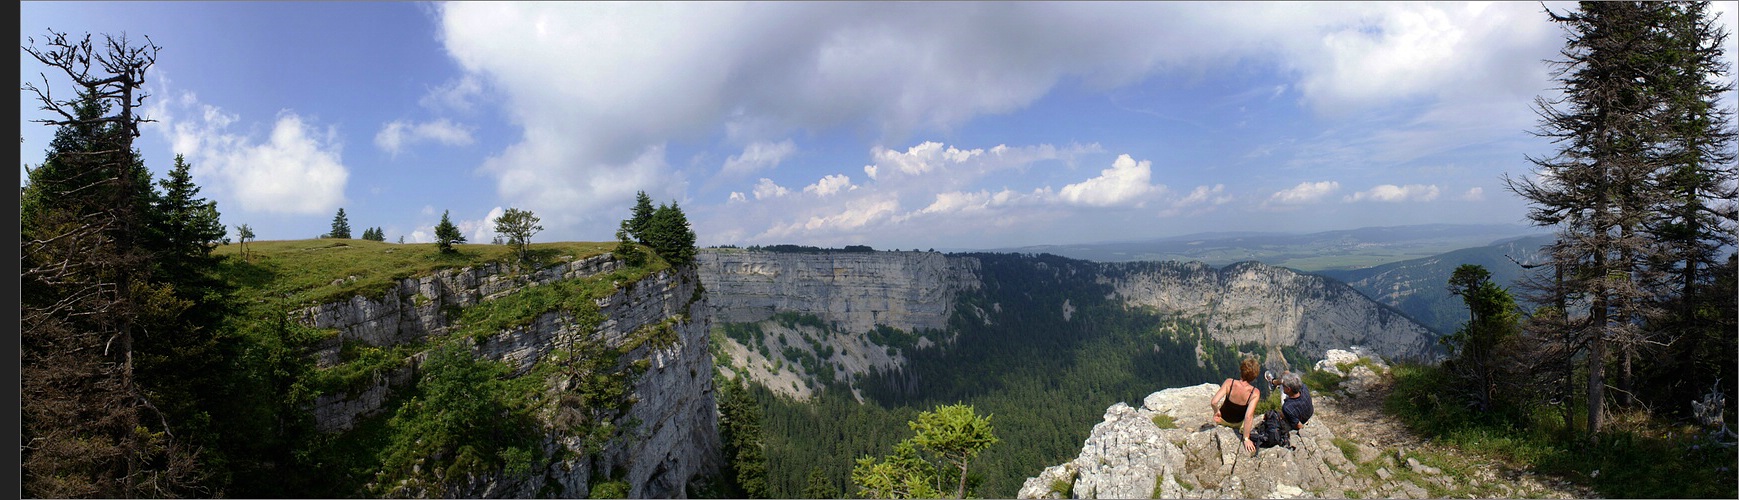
465,419
610,489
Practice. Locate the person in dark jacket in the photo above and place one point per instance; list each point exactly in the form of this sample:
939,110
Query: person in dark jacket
1297,407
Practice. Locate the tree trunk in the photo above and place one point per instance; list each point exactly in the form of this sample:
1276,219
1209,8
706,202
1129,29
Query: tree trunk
1596,372
1626,396
961,491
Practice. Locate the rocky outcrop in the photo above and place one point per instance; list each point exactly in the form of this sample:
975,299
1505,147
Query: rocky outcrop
415,308
1166,448
855,291
1272,306
676,436
674,432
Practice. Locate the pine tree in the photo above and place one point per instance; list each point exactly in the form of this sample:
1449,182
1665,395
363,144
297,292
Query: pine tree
340,226
1625,102
1696,215
1478,349
447,234
740,428
641,220
90,422
188,224
669,235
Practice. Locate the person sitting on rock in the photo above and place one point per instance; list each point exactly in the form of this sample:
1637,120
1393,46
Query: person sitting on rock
1297,407
1235,402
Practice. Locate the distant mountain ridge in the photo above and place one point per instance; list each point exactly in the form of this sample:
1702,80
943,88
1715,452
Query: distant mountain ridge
1419,287
1343,249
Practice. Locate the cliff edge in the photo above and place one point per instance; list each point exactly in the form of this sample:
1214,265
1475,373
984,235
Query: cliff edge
1166,448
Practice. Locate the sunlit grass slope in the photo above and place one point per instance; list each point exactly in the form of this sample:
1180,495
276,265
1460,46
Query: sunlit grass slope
299,272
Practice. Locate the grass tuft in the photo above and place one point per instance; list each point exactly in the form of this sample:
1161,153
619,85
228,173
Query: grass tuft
1164,421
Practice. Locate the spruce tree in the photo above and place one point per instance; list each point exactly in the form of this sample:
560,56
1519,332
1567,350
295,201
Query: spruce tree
1695,217
92,423
669,235
447,234
1628,120
641,220
340,226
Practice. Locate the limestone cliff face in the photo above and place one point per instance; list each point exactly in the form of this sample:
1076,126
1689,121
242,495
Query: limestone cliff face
851,293
1254,302
676,438
853,290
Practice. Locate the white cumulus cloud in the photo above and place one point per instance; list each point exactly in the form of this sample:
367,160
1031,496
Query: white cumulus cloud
1393,193
1305,192
480,231
767,189
921,159
297,168
1125,183
853,216
1474,194
829,185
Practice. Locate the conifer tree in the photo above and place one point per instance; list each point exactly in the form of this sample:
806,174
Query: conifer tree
641,220
1635,138
669,235
90,425
340,226
447,234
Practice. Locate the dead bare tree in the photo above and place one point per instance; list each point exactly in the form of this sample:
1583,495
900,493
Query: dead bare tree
89,429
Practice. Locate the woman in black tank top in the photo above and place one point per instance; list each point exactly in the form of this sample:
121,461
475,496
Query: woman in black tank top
1227,411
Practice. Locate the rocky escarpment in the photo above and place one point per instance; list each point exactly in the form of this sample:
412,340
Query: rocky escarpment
851,293
798,321
674,436
1273,306
1166,448
855,291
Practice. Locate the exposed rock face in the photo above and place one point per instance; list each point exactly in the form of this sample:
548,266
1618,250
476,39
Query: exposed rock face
418,307
1128,455
1254,302
677,435
676,438
853,290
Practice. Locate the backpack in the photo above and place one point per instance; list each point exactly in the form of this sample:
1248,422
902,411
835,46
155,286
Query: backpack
1271,431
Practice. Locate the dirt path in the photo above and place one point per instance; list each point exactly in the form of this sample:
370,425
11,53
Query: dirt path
1361,420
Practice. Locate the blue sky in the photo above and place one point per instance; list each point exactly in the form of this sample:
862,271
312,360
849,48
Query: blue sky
928,125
